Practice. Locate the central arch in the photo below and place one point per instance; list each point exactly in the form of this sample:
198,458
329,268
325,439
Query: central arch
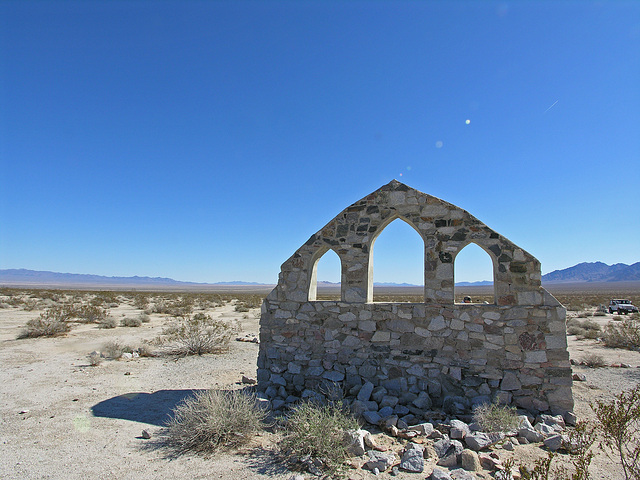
419,267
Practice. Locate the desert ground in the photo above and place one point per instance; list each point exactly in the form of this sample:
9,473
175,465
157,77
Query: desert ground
62,417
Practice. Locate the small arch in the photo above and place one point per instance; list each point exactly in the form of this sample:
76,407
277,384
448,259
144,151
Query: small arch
474,268
407,256
326,270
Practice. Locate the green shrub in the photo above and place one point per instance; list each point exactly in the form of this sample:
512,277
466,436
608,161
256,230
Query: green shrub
623,334
197,334
495,417
619,421
214,420
318,431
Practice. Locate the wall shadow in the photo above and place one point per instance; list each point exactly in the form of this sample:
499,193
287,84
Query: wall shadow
152,408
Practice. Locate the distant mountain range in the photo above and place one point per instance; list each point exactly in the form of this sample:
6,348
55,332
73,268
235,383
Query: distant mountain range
583,272
34,277
595,272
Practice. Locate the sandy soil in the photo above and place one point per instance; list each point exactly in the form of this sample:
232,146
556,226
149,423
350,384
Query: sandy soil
62,418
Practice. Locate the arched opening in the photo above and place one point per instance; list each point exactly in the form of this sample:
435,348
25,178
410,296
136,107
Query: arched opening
398,275
326,277
473,276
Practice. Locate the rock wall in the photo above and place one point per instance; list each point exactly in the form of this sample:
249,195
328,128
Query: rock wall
514,350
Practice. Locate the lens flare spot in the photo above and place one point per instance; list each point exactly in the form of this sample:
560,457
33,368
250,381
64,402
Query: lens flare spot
467,121
439,144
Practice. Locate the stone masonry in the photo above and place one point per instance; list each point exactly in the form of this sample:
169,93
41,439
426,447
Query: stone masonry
514,350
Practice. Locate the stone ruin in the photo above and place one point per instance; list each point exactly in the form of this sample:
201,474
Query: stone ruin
436,353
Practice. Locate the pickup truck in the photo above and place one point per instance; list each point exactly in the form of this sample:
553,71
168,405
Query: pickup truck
621,306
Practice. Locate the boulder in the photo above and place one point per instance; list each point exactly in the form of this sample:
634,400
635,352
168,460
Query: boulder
470,461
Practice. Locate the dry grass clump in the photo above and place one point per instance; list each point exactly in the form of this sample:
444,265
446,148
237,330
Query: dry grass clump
623,334
493,417
131,322
144,318
95,359
317,431
198,334
108,322
113,350
213,420
583,329
593,360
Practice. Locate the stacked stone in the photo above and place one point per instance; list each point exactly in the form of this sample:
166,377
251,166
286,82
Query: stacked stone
415,355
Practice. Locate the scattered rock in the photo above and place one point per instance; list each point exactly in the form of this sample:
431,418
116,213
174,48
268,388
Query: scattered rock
488,462
372,417
380,461
480,440
423,429
508,446
145,434
248,380
459,429
570,419
555,442
461,474
470,461
579,377
353,441
412,459
439,474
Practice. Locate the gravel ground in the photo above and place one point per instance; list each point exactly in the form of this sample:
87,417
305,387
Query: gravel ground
61,418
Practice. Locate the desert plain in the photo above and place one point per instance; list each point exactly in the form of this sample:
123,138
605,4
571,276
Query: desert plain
65,416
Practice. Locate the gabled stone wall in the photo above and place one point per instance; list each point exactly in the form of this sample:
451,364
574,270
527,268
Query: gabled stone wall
514,350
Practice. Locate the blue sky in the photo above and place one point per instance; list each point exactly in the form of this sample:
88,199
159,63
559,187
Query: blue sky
206,141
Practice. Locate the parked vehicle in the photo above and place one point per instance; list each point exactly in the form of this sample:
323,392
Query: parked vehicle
621,306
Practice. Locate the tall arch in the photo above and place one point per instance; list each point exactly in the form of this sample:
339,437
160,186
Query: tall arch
418,268
324,261
472,263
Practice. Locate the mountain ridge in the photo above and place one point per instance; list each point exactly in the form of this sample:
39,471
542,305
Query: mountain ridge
585,272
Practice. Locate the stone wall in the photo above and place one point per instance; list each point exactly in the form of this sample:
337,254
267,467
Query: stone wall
514,350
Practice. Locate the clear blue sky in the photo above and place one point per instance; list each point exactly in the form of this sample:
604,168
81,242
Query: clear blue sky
206,141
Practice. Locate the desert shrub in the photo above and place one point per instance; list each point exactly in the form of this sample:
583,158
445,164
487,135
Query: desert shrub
131,322
593,360
94,359
145,351
619,422
107,322
47,325
29,305
197,334
213,420
317,431
625,334
144,318
90,314
494,417
114,350
584,329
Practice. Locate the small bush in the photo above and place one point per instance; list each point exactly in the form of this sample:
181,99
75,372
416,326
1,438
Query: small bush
593,360
199,333
619,421
49,324
495,417
625,334
145,351
131,322
94,359
114,350
107,322
583,329
214,420
144,318
90,314
318,431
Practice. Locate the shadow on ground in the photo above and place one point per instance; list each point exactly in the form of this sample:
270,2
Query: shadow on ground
152,408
